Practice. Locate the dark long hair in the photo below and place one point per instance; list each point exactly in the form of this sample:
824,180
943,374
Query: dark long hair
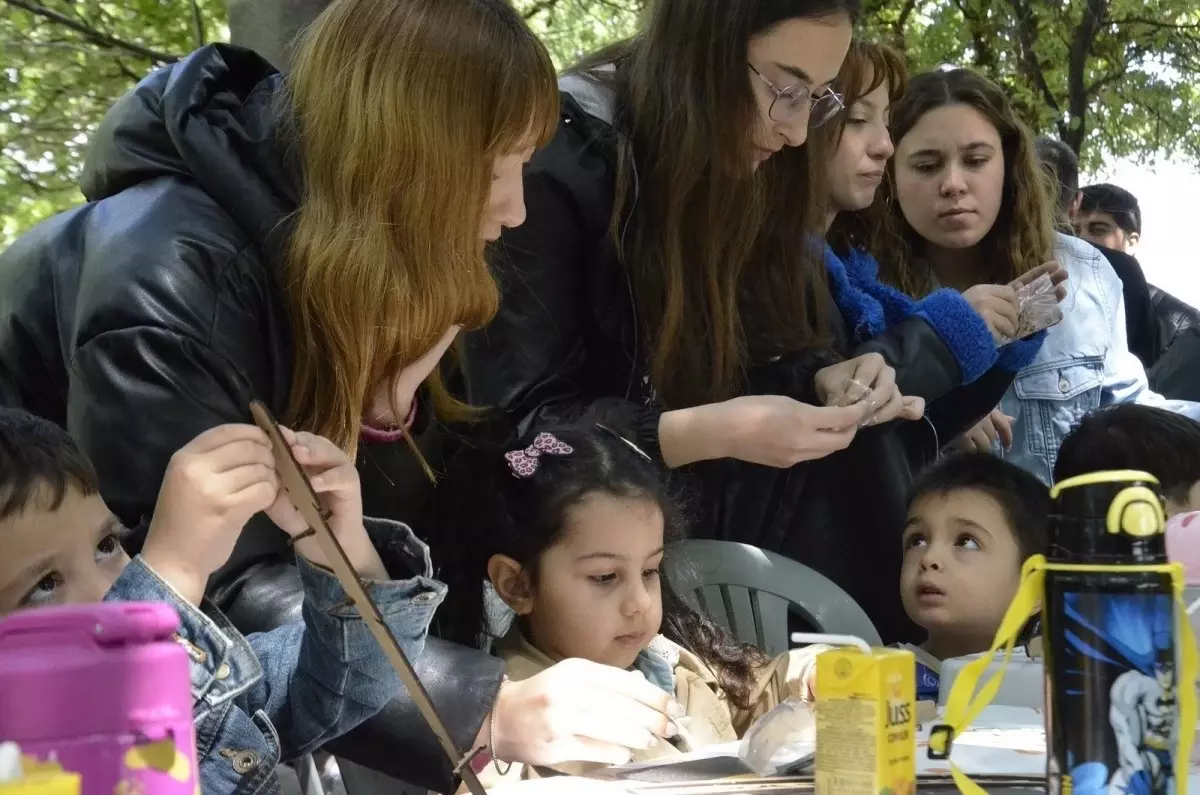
1023,236
720,274
497,513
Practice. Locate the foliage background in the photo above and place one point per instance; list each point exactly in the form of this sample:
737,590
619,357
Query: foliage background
1113,78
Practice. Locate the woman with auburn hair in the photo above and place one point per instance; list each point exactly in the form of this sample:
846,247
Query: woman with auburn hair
314,241
969,205
971,324
669,283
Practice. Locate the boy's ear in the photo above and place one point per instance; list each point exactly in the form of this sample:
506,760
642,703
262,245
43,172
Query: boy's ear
511,583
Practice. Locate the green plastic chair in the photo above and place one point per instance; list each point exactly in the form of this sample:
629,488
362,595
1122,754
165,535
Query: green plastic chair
750,591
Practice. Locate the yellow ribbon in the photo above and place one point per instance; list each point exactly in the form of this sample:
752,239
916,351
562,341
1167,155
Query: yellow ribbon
964,704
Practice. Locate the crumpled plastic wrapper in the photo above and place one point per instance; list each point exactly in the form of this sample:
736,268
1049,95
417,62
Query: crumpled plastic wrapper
780,739
1038,306
858,393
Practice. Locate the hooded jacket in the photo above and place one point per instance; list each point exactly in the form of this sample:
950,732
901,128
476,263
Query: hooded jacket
154,312
566,346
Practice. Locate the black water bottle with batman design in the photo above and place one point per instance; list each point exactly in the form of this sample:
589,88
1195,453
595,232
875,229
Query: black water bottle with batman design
1112,650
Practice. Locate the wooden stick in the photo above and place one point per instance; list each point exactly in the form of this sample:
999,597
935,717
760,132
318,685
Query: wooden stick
309,506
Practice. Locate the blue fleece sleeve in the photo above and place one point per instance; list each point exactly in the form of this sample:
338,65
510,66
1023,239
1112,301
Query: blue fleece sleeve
951,316
962,329
1016,355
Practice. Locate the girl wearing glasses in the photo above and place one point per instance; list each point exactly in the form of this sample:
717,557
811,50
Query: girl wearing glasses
668,282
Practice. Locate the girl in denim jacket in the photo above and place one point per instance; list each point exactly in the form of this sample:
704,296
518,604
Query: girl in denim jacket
258,699
973,323
969,205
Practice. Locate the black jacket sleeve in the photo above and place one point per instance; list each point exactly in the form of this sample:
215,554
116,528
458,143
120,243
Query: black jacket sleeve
139,394
532,360
925,366
1141,328
1177,373
959,410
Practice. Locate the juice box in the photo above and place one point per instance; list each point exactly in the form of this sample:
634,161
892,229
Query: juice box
866,722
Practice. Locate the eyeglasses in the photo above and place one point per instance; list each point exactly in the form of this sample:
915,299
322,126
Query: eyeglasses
790,102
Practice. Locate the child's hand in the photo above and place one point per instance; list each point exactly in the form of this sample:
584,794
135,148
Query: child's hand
211,489
809,689
335,480
800,672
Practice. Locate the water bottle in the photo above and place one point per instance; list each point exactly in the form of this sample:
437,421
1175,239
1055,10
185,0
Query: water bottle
1111,634
104,691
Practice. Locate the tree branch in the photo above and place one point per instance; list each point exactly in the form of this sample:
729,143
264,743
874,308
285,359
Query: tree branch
1081,48
1155,23
539,7
198,25
1106,80
1026,35
985,55
90,33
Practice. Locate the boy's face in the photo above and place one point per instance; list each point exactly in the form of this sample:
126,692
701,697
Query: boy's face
1191,504
597,593
1101,229
961,565
71,555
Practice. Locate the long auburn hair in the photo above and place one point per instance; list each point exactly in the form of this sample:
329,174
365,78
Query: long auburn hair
490,511
868,66
399,108
1022,237
717,257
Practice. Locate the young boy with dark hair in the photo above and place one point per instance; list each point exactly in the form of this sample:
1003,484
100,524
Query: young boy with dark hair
271,696
1142,438
973,519
1109,216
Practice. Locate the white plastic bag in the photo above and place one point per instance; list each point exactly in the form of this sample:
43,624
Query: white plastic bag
781,739
1037,303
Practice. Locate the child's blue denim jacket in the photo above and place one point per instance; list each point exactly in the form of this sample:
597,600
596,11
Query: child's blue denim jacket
275,696
1084,364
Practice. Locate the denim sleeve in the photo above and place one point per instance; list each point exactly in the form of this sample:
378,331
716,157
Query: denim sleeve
962,329
316,679
323,677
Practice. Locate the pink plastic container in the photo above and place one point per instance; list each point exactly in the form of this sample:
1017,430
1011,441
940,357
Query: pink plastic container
103,689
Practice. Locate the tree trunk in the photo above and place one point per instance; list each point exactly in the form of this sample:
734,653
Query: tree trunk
270,26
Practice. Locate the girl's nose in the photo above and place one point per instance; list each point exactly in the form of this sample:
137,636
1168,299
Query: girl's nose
638,600
953,185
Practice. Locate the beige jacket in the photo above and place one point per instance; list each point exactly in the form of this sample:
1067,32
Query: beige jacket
713,719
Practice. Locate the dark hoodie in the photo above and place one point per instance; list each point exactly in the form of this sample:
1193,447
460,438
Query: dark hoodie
153,313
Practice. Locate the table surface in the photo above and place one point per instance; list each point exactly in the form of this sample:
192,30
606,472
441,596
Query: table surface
1004,741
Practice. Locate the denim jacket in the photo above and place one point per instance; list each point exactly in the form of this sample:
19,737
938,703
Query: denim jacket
1085,364
274,696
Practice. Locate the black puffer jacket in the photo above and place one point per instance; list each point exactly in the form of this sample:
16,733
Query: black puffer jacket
566,346
153,313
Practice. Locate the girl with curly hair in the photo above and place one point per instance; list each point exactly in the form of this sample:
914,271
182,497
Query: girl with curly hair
560,547
969,208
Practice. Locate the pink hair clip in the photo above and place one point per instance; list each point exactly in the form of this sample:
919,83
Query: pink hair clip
524,463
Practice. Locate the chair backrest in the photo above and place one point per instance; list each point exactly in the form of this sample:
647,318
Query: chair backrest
749,591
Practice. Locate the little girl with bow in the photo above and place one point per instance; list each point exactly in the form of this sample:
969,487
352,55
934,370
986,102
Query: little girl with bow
569,531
